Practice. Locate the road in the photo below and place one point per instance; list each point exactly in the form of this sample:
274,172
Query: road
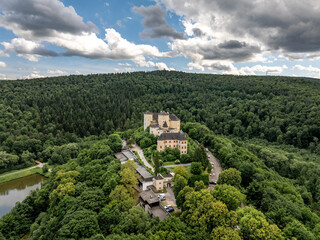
137,148
26,169
217,169
176,165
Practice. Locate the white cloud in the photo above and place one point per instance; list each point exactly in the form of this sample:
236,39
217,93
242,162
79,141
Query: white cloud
27,49
157,65
57,72
62,26
107,4
34,74
313,71
3,76
3,64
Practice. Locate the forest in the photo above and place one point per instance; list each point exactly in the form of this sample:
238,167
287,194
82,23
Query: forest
264,130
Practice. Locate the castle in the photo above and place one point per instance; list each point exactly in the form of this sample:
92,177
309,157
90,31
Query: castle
167,127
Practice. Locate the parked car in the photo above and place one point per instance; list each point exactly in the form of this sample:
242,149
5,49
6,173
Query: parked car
212,174
162,196
207,150
169,208
212,182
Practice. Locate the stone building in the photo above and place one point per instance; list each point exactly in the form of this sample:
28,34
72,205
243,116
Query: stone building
161,122
173,140
167,127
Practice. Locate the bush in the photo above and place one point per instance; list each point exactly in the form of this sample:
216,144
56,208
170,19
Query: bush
177,162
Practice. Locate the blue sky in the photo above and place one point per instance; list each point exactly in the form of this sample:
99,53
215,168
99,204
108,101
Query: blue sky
50,37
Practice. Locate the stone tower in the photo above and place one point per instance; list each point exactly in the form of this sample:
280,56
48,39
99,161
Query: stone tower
147,119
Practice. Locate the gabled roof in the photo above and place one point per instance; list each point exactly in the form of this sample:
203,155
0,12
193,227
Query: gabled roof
148,112
173,117
165,125
158,177
169,175
173,136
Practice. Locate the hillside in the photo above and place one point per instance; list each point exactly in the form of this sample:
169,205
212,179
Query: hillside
267,128
54,111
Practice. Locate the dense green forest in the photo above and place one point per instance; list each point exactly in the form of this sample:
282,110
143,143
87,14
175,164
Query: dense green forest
41,113
264,130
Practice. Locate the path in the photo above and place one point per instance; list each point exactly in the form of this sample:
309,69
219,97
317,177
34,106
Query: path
217,169
136,148
176,165
26,169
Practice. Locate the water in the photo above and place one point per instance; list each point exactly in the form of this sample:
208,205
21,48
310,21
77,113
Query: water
17,190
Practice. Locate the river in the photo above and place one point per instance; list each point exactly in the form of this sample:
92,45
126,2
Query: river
17,190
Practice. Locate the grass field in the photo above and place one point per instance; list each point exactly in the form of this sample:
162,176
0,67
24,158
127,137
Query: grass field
188,168
19,174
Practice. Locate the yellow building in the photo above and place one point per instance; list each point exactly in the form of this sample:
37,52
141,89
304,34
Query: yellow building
173,140
167,127
161,122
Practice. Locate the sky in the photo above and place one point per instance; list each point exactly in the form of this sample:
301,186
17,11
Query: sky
40,38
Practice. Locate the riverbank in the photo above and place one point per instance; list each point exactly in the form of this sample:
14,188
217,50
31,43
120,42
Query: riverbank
5,177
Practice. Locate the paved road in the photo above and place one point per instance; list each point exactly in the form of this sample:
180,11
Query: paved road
136,148
26,169
217,169
176,165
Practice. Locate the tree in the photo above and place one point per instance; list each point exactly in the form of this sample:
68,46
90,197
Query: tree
254,225
231,177
180,199
129,177
79,224
200,155
224,233
196,168
179,183
45,169
203,211
199,185
180,170
229,195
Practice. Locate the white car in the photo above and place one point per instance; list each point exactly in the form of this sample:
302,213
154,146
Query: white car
162,196
212,174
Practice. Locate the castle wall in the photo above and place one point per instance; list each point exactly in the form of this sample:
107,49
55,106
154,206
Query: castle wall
163,118
181,145
175,125
147,120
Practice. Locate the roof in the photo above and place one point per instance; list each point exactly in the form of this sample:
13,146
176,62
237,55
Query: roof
121,157
144,172
173,136
158,177
149,197
148,112
129,155
173,117
169,175
163,113
165,125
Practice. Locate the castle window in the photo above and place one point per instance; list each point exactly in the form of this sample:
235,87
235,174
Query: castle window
165,141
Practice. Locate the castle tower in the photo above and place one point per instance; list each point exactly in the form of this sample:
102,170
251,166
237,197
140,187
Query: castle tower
162,118
147,119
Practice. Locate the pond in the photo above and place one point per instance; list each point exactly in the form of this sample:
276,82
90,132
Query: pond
17,190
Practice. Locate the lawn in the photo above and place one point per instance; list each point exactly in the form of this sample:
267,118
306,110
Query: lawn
4,177
188,168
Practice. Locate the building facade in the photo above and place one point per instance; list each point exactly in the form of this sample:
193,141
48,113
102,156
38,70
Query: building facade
167,127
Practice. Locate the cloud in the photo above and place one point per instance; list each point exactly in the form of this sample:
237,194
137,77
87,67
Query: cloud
57,72
314,72
37,18
3,76
156,24
34,74
27,49
3,64
221,30
157,65
37,21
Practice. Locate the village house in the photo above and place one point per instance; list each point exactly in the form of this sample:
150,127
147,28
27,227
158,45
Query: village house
167,127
